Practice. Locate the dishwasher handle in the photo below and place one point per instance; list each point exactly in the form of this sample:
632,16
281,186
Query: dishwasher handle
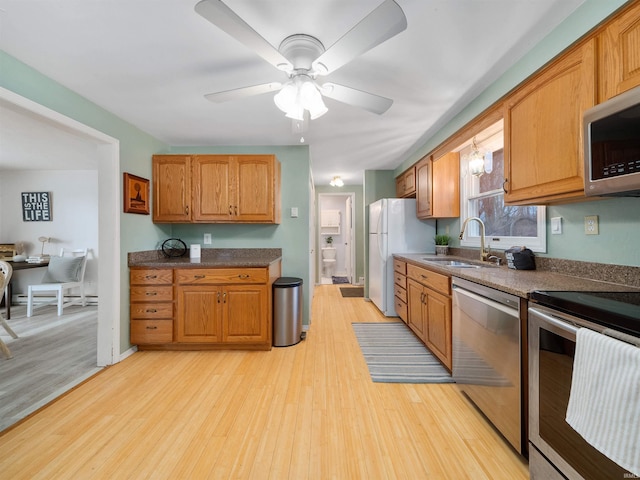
487,301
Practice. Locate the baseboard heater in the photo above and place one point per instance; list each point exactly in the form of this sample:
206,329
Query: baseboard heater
21,299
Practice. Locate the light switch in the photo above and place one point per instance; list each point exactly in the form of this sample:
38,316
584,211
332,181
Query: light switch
294,212
556,225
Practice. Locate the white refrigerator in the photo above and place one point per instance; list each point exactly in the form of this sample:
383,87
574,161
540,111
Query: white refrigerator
394,228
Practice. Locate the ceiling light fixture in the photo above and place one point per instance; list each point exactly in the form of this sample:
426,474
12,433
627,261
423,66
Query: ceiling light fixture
299,94
336,182
476,160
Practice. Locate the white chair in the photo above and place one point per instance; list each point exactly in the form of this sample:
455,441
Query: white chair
5,275
63,273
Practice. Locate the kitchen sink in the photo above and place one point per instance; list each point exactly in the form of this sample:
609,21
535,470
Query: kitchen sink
455,263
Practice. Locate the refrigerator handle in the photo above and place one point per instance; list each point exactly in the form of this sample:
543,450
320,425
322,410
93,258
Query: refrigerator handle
380,252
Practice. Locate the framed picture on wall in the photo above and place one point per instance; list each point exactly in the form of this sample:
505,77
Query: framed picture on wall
136,194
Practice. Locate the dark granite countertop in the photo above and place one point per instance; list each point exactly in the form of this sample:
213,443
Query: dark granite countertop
517,282
210,258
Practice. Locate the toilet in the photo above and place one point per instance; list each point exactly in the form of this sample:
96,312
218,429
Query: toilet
328,260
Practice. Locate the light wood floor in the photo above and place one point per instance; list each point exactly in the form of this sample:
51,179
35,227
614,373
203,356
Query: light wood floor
307,411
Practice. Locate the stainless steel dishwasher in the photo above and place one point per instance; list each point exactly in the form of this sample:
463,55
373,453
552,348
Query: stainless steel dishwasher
487,355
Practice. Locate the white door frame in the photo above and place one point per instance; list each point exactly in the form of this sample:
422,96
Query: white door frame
352,247
108,153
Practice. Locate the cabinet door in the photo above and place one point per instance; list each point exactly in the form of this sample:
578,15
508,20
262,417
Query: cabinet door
212,176
254,188
198,310
445,186
438,329
543,131
171,188
423,188
619,54
416,308
245,314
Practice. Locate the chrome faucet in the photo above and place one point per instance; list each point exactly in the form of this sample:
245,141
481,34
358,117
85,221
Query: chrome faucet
484,253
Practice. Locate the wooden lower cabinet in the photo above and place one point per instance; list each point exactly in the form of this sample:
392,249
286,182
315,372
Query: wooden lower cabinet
429,310
151,306
400,289
200,308
230,314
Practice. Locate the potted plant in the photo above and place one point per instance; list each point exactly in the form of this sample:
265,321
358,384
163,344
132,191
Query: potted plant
442,244
329,240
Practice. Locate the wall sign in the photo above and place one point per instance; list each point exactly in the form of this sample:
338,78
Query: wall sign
36,206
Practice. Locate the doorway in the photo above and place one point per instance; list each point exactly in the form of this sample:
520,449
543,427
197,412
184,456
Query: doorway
335,238
108,164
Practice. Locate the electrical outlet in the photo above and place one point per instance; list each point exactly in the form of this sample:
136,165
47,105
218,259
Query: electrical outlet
591,225
207,239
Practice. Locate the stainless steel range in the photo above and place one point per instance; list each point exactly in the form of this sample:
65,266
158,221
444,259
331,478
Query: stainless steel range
556,450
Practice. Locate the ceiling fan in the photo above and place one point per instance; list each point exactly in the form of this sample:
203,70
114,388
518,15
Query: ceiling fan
303,59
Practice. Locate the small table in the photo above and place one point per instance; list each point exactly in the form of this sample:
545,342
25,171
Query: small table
9,291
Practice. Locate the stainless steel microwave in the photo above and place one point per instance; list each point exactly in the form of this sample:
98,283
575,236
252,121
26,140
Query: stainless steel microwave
612,146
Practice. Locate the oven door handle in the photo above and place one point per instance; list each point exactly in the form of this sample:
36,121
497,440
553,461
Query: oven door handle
563,325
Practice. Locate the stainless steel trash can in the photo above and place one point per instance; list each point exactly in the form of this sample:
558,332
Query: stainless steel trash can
287,311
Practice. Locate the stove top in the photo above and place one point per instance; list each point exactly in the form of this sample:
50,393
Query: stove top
617,310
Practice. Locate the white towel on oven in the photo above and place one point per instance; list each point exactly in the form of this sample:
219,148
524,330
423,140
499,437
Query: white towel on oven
604,404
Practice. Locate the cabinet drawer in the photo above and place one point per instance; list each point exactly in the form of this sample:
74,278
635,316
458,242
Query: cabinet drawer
151,310
196,276
400,292
430,279
400,280
151,331
401,309
151,277
399,266
151,294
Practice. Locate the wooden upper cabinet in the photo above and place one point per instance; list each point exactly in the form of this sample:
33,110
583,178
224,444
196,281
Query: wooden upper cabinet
543,131
257,189
217,189
446,186
423,188
406,184
619,54
171,188
438,189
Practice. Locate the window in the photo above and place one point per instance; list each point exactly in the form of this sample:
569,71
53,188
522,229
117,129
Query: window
483,197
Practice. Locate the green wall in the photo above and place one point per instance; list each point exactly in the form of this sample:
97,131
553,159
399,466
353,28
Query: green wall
619,220
358,221
292,234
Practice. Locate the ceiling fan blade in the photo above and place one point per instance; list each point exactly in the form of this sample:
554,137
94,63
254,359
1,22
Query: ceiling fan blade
238,93
226,19
357,98
384,22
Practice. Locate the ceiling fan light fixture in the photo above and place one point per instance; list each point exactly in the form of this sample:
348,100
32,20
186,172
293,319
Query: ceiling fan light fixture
286,98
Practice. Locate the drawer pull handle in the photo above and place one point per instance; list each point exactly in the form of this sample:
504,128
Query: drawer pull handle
230,210
244,275
198,276
186,210
151,310
423,276
151,294
218,297
224,297
150,327
151,277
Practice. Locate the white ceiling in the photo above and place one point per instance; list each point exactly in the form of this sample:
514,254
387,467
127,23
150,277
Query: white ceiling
151,62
